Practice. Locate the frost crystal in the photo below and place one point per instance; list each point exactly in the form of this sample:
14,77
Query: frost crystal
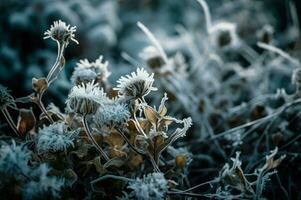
112,114
152,186
14,158
5,98
55,137
61,32
89,71
86,98
136,85
42,184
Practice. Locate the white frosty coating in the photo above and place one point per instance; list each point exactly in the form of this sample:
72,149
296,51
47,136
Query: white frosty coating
88,91
207,14
139,83
149,52
220,27
100,67
59,31
55,137
153,39
86,98
278,51
150,187
112,114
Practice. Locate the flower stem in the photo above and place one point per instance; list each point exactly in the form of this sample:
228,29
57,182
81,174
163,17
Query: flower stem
43,109
91,138
10,121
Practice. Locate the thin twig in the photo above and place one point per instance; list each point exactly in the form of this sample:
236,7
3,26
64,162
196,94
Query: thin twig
90,136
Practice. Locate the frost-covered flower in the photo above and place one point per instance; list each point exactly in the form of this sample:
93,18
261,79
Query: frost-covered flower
83,75
112,114
14,158
152,57
5,98
151,187
86,98
61,32
55,137
41,184
182,156
89,71
223,34
136,85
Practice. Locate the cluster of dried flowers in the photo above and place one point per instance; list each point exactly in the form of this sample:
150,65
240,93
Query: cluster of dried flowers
114,143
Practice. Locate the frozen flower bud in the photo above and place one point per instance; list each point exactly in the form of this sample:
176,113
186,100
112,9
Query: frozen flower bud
86,98
88,71
152,57
55,137
5,98
265,34
181,155
223,34
39,85
151,187
61,32
112,114
137,85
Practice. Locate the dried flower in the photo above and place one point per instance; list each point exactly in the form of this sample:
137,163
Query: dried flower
234,176
61,32
223,34
86,98
55,137
136,85
150,187
88,71
152,57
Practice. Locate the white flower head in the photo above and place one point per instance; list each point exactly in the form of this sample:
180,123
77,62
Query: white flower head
98,67
152,57
136,85
86,98
61,32
224,34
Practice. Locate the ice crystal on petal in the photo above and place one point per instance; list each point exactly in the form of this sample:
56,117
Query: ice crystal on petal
61,32
136,85
86,98
151,187
55,137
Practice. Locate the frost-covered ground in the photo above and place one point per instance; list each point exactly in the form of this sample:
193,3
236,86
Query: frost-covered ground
149,99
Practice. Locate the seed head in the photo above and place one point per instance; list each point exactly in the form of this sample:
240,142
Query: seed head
136,85
86,98
89,71
61,32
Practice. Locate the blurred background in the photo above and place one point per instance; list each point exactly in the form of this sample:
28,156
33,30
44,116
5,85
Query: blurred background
109,28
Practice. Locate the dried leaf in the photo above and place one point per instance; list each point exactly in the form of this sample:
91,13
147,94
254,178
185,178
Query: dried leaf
39,85
26,121
151,115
